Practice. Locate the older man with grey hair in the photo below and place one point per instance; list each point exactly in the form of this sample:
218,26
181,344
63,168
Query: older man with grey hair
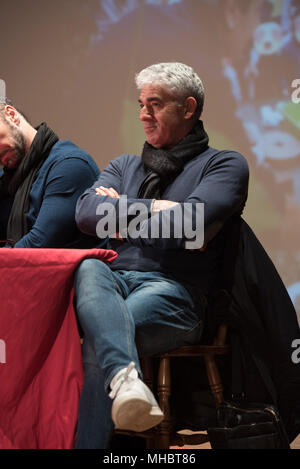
152,298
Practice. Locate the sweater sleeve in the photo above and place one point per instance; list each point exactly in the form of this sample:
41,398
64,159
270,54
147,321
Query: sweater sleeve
55,224
223,193
93,209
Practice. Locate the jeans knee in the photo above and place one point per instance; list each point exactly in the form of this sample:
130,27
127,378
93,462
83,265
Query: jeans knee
88,273
89,267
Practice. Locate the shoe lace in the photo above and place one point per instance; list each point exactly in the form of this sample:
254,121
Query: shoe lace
124,377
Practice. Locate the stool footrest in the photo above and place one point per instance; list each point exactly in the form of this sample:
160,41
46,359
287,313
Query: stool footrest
196,351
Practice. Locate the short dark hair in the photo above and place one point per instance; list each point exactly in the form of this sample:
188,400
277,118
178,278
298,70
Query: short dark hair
8,102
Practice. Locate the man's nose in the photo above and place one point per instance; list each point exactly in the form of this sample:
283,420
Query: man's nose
145,113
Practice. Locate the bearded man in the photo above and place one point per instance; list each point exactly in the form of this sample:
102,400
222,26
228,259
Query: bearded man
41,181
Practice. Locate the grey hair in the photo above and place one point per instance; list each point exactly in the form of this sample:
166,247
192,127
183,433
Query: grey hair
180,79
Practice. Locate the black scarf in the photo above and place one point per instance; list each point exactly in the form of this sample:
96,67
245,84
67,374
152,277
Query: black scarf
166,165
19,181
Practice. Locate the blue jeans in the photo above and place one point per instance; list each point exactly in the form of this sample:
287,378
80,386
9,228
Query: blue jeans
124,315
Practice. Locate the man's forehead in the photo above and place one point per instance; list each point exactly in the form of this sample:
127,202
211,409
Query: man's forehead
155,92
150,98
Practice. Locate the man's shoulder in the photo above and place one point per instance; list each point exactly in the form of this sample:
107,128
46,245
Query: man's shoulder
221,153
214,155
127,161
64,150
128,158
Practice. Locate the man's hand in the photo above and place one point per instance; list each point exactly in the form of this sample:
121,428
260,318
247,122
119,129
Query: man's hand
110,191
159,205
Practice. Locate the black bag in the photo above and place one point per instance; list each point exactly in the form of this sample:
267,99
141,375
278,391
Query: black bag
248,426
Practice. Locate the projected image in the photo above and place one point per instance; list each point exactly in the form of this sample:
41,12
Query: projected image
273,131
248,55
259,69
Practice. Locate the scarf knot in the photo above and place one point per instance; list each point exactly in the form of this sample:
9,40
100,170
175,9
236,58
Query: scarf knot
165,165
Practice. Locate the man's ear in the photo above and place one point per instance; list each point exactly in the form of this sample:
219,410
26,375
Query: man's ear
12,115
190,107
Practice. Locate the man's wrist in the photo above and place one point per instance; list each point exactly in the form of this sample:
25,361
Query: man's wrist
159,205
152,207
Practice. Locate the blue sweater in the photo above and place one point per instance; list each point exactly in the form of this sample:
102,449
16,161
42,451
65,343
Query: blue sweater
63,177
219,179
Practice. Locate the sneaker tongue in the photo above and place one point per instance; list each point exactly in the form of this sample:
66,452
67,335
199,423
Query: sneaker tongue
132,371
120,377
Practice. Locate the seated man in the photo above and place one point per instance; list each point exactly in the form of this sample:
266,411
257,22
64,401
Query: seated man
40,184
152,298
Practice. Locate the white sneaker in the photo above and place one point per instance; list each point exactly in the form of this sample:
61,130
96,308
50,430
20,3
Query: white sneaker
134,407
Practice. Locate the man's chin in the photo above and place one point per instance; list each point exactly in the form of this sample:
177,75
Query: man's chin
11,162
12,165
154,143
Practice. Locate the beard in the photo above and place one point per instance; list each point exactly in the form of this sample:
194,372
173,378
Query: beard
18,144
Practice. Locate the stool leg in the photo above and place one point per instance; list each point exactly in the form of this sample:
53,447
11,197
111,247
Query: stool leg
164,391
214,378
147,369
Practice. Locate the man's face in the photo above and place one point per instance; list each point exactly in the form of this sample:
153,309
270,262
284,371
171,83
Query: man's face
12,144
163,119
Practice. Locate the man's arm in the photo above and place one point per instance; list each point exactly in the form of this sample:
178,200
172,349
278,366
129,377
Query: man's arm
222,190
55,225
87,210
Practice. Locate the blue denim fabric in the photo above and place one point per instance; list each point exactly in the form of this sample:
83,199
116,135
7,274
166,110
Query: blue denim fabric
124,315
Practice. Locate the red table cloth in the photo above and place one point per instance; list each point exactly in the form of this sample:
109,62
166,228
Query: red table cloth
41,370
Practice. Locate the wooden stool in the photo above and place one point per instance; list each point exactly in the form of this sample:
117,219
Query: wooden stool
162,436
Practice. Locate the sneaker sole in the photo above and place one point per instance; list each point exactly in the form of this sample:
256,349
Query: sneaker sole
135,414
